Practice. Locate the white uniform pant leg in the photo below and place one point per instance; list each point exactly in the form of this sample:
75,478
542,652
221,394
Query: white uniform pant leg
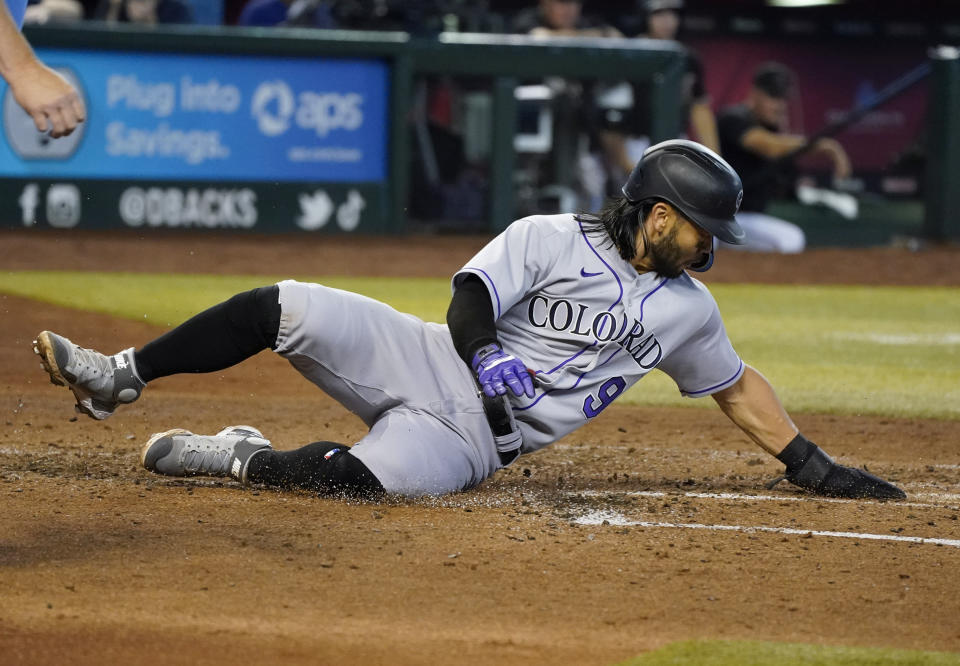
415,453
766,233
401,376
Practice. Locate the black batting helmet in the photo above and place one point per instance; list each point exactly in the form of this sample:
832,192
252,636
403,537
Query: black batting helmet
694,180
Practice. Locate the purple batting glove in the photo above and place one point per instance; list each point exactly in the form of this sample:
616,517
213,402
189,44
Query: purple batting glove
496,370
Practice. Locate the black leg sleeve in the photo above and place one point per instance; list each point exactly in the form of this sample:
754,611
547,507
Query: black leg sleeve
217,338
327,468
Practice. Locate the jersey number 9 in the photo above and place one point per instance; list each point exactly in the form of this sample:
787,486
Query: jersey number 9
608,391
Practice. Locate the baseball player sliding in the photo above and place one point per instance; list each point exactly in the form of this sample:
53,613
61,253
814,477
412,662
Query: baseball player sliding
548,325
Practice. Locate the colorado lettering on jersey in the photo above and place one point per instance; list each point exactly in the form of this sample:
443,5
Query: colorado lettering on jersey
564,316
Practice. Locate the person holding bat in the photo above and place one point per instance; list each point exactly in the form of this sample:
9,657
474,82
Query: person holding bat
754,141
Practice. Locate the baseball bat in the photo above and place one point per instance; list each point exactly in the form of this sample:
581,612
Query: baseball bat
893,89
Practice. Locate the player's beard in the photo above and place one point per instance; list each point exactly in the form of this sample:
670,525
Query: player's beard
665,257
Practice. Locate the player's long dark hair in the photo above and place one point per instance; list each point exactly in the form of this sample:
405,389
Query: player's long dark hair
620,221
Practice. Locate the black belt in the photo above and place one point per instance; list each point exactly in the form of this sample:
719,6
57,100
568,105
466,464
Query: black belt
506,434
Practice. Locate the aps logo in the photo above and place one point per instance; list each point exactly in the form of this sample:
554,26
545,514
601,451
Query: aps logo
272,106
275,107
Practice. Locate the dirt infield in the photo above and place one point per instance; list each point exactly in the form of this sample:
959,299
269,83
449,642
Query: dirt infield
572,556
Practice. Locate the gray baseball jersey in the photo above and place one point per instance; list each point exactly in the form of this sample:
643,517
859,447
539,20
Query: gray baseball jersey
590,326
566,304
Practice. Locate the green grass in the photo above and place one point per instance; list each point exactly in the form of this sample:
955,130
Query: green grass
755,653
167,300
854,350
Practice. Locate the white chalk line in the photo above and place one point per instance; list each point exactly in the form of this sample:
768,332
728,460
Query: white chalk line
599,517
902,339
944,497
59,451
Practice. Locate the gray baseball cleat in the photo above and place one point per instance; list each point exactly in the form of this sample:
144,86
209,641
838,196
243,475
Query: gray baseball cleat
179,452
98,382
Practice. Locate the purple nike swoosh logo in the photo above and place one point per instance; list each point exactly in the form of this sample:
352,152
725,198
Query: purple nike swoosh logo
584,273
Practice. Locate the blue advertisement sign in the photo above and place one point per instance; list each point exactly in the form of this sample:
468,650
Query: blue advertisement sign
197,117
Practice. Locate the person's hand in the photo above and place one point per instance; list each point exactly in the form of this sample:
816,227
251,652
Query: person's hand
49,98
496,370
841,163
810,468
833,480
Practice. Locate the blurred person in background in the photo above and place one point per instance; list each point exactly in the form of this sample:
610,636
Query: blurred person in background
753,136
663,22
626,114
417,17
145,12
39,12
618,114
575,103
560,18
49,98
304,13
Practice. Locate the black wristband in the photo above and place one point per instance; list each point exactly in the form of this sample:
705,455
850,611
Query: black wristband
797,452
808,466
483,353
